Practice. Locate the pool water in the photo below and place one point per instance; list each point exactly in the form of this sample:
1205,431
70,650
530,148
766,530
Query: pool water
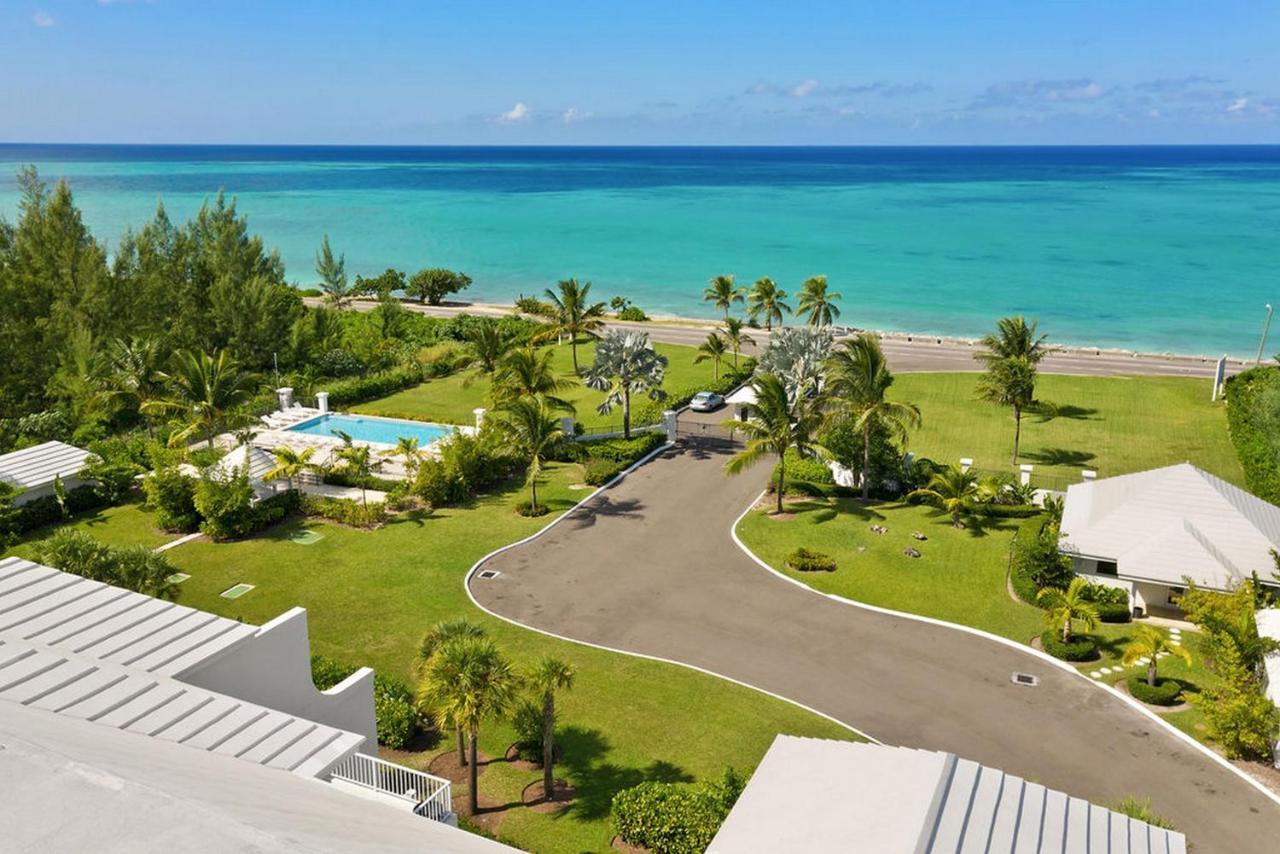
386,431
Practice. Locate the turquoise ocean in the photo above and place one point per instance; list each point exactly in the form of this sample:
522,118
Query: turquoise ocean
1150,248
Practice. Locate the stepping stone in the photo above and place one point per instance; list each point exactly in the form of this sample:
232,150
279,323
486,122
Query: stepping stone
1106,670
1097,674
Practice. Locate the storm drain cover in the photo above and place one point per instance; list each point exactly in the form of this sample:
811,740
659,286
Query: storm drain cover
490,573
1026,679
236,592
305,538
177,578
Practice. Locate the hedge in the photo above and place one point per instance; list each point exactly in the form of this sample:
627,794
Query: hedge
45,510
1164,693
393,703
1253,418
805,560
344,511
675,818
360,389
598,472
1079,648
1025,586
1110,612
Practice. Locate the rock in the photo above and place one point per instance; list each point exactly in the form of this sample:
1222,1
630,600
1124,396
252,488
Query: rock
879,529
909,552
919,536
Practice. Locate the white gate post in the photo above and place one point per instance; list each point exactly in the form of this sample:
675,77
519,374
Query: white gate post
669,424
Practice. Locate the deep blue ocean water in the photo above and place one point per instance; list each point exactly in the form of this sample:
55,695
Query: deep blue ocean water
1157,248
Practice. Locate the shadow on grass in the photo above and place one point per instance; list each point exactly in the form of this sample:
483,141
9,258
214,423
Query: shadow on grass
597,780
1048,411
1059,457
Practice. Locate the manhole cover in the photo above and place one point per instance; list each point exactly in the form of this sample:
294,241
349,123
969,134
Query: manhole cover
490,573
1026,679
236,592
305,538
177,578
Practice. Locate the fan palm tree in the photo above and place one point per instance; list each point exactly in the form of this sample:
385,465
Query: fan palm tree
436,637
531,373
714,350
735,337
952,490
1013,338
1148,644
548,676
573,314
359,462
1065,607
486,344
466,682
858,378
626,364
724,292
290,463
816,302
533,429
136,373
766,299
206,389
777,424
1011,382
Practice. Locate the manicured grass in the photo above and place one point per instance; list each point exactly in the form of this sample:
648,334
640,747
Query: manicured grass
370,596
1113,425
123,525
453,399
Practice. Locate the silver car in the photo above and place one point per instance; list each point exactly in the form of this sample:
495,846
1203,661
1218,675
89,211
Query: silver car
706,401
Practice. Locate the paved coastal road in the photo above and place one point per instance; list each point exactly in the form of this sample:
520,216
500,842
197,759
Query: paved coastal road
649,567
907,355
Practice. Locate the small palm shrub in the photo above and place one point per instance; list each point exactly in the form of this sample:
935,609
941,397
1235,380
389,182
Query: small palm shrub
805,560
527,508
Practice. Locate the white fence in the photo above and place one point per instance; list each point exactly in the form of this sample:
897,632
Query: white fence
429,795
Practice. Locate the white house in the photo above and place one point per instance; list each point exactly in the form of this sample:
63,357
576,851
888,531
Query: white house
1148,532
811,794
34,469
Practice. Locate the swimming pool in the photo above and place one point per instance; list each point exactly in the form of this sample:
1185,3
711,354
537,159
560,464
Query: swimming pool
367,428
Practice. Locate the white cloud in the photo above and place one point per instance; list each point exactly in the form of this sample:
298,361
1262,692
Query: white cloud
801,90
519,113
1237,105
43,19
574,115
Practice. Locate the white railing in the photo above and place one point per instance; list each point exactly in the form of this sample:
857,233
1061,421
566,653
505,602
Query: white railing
429,795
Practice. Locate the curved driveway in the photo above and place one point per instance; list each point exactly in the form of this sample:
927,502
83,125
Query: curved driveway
648,566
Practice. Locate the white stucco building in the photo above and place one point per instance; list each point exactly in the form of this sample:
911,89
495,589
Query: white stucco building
34,469
1148,532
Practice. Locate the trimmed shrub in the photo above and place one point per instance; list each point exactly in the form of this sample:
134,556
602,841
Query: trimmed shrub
359,389
1079,648
1109,612
675,818
598,472
344,511
526,508
226,507
1253,418
172,495
805,560
1111,603
634,314
1164,693
393,706
802,470
1024,586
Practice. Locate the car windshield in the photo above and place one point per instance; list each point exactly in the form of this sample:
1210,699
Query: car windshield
702,395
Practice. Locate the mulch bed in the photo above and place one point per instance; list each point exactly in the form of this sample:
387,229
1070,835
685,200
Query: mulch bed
562,795
447,765
514,760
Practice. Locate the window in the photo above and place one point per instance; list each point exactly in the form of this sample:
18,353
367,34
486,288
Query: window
1106,567
1175,593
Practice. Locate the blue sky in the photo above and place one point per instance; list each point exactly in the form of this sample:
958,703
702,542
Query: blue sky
286,71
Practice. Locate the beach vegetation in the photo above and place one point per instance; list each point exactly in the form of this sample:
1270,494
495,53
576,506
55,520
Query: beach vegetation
817,302
572,315
736,337
431,285
766,302
723,292
1011,355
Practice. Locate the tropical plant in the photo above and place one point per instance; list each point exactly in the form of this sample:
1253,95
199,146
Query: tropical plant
817,303
626,364
407,449
724,292
487,343
735,337
858,377
953,490
573,314
433,284
766,300
533,429
333,277
1010,382
136,568
1064,608
776,425
205,389
436,637
290,463
1148,644
136,373
1014,338
527,372
358,462
466,682
713,350
549,675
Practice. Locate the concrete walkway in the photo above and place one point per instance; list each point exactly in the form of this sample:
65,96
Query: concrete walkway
649,567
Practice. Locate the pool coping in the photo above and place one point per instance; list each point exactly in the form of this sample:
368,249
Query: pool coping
295,428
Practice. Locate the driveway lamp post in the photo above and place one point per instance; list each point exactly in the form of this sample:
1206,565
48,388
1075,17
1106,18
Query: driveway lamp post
1262,345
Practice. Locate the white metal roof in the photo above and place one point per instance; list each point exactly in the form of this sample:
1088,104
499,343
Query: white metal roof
1171,523
40,464
246,457
813,794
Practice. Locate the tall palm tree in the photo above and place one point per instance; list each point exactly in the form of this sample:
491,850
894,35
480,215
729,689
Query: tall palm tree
533,429
548,676
573,314
290,463
468,681
1014,338
626,364
357,461
724,292
714,350
531,373
777,424
1011,382
436,637
735,337
1065,607
136,373
1148,644
486,344
858,378
206,388
766,299
817,303
953,490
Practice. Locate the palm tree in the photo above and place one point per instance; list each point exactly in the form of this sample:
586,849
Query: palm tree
1148,644
1011,382
531,373
407,449
436,637
1013,338
953,490
487,343
626,364
777,424
858,378
533,428
359,462
333,276
713,349
766,298
723,291
817,303
136,373
548,676
1064,607
466,682
736,337
573,314
206,388
290,463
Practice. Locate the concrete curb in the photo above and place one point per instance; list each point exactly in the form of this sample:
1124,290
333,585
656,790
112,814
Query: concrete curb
1023,648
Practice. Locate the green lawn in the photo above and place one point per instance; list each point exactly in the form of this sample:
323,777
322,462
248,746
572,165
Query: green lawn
370,596
1113,425
124,525
452,400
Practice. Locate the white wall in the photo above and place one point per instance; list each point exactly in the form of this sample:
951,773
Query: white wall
68,483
